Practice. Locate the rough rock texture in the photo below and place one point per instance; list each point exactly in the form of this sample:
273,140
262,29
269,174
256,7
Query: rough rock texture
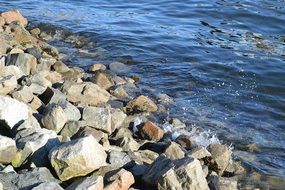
180,174
24,95
118,158
150,131
77,158
11,70
103,79
12,112
141,104
48,185
14,15
7,149
117,118
128,144
26,62
199,153
186,142
87,183
72,112
121,180
7,84
174,151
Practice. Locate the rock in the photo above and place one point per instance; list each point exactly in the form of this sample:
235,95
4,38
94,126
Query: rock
98,118
8,149
125,91
7,84
36,104
186,142
35,31
36,52
103,79
128,144
24,95
73,74
52,95
71,128
25,179
227,183
72,112
8,169
117,119
176,123
54,119
119,68
11,70
199,153
121,180
174,151
220,158
165,99
85,131
141,104
4,47
37,83
87,183
34,143
181,174
85,93
122,132
143,156
77,158
26,62
150,131
12,112
2,21
118,158
14,15
48,185
96,67
60,67
31,122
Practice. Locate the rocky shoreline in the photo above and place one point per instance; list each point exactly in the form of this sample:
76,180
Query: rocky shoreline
65,128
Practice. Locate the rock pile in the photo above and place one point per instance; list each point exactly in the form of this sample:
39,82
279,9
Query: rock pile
63,128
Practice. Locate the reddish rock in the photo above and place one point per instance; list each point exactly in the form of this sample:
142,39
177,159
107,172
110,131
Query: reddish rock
14,15
141,104
122,180
151,132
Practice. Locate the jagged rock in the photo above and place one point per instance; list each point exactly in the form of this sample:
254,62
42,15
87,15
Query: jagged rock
141,104
31,122
103,79
118,158
181,174
174,151
52,95
7,84
77,158
37,83
54,119
48,185
8,169
25,179
36,52
143,156
117,119
85,131
150,131
165,99
125,91
11,70
85,93
23,95
26,62
16,51
34,143
199,153
87,183
185,141
176,123
73,74
8,149
60,67
128,144
220,157
98,118
96,67
71,128
12,112
36,104
227,183
72,112
14,15
121,180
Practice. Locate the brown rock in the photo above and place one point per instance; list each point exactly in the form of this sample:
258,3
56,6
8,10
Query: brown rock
14,15
103,79
185,141
199,153
96,67
121,180
151,132
2,21
173,151
141,104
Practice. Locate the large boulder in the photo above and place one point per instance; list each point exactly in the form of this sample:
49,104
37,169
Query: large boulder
87,183
8,149
7,84
180,174
26,62
14,15
141,104
12,112
77,158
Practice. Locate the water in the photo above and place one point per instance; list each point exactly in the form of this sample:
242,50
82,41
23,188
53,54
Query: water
223,61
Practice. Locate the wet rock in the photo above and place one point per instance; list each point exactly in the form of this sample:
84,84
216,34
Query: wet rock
118,159
14,15
128,144
7,84
48,185
26,62
185,173
85,93
119,68
150,131
103,79
96,67
87,183
199,153
60,67
26,180
185,141
54,119
227,183
174,151
176,123
117,119
12,112
36,52
51,51
125,91
98,118
35,144
77,158
35,31
165,99
220,157
11,70
8,149
121,180
23,95
141,104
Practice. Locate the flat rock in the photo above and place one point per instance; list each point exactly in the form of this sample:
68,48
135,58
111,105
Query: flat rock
8,149
150,131
12,112
77,158
141,104
87,183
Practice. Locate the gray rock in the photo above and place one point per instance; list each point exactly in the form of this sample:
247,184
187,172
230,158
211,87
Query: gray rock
26,62
7,84
118,158
77,158
8,149
97,134
143,156
8,169
72,112
119,180
37,83
128,144
227,183
87,183
117,119
119,68
48,185
98,118
26,180
12,112
60,67
176,123
103,78
127,91
52,95
71,128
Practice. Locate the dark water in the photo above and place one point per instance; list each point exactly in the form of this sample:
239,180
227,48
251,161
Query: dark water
223,61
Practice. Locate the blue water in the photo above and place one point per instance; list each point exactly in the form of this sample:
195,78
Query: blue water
222,60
